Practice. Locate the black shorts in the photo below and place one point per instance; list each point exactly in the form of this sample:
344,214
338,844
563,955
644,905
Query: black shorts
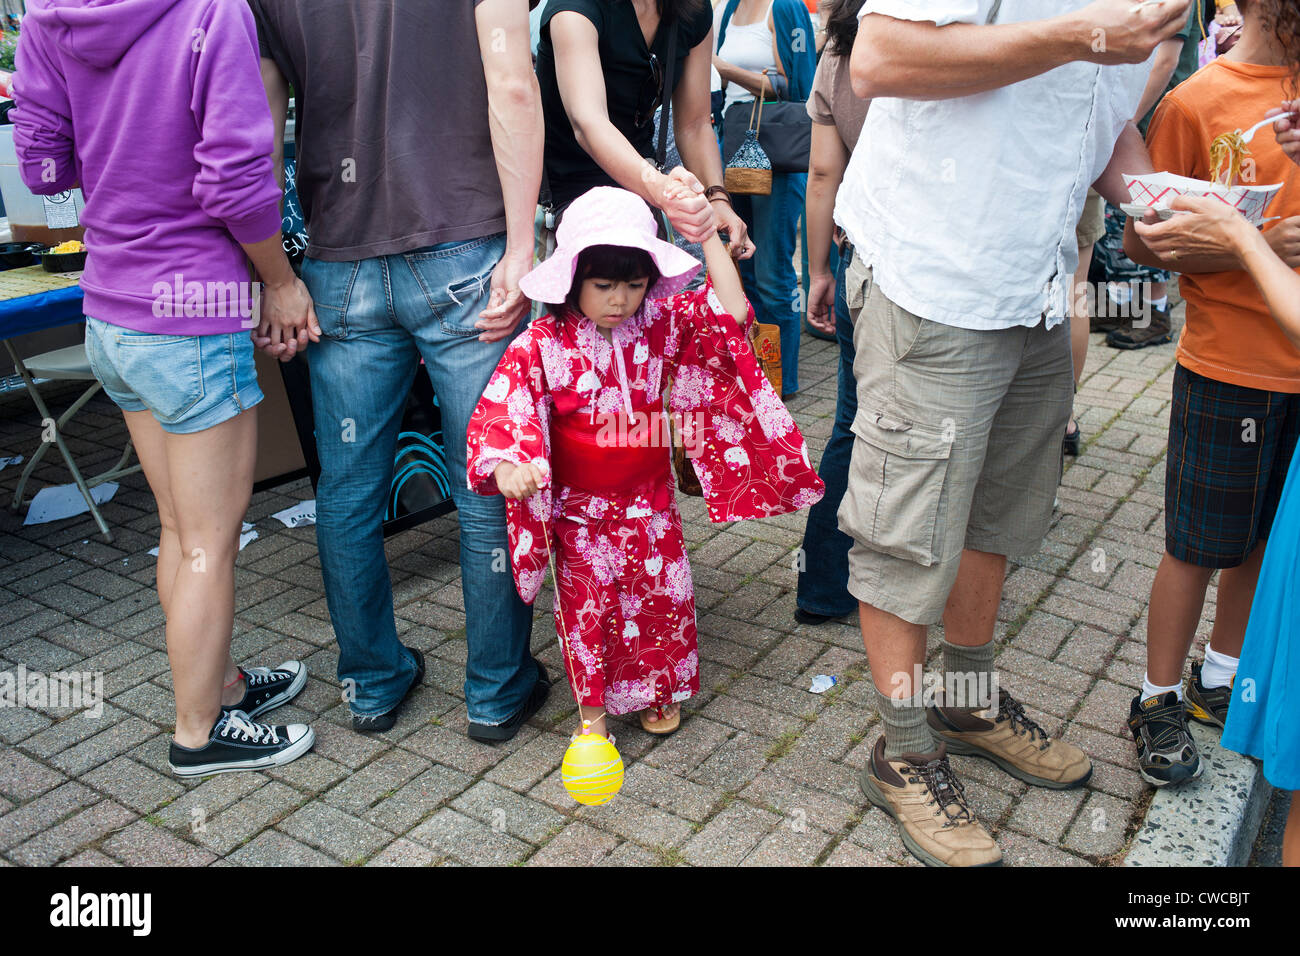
1229,450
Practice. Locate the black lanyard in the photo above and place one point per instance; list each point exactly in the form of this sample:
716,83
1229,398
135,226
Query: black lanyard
661,151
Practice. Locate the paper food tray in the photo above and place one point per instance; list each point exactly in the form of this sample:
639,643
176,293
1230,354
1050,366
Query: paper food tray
1157,191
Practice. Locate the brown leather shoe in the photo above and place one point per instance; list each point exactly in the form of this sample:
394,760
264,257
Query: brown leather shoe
1158,331
1013,742
922,794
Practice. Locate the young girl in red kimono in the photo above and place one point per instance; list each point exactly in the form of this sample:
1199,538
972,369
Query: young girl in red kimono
571,430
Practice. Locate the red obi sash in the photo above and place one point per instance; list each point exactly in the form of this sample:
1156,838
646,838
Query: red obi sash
610,454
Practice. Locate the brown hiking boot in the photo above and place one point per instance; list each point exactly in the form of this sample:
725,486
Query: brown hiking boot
1108,321
1129,336
1013,742
922,794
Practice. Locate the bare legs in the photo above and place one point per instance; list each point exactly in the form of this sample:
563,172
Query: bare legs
597,717
1232,609
972,609
896,648
1177,597
1291,836
202,483
1080,319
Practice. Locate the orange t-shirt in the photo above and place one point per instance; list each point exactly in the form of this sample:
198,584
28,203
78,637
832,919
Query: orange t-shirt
1230,335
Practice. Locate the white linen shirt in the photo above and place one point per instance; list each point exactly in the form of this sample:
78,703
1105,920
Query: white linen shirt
966,208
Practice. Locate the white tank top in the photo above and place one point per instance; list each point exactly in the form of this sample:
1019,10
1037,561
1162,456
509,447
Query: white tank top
749,47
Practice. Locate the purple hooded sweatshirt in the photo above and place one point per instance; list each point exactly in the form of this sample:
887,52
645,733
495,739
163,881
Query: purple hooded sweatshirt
156,108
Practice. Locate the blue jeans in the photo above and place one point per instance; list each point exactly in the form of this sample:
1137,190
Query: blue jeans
379,317
824,581
769,276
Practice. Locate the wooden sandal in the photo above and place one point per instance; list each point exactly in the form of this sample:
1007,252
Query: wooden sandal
663,725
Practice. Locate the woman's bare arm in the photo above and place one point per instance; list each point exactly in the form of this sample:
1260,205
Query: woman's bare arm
827,161
581,81
756,83
1210,222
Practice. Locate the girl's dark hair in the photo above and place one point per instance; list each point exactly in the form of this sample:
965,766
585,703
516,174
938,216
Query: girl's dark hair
842,25
1281,18
614,263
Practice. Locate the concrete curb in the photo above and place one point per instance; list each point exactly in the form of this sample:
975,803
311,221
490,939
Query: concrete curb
1212,821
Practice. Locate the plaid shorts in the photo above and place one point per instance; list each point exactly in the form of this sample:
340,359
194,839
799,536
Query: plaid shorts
1229,450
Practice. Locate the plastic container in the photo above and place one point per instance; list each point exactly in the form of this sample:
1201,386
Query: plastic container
27,211
15,255
63,261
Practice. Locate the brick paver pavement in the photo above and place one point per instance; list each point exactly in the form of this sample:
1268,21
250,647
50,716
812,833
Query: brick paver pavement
761,772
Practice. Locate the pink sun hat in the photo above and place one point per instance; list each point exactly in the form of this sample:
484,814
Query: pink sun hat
607,216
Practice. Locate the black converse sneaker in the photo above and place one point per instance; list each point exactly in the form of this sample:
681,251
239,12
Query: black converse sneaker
266,688
237,743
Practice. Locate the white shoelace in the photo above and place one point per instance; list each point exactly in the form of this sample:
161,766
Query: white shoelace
237,722
258,675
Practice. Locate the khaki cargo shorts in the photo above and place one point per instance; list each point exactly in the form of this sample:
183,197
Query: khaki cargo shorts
957,445
1092,224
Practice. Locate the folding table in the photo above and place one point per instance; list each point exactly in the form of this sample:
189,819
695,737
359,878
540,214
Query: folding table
32,299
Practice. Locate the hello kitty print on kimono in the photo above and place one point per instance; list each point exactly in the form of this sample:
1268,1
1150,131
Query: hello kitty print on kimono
625,607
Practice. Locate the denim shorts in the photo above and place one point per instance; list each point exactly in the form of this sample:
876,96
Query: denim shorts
189,382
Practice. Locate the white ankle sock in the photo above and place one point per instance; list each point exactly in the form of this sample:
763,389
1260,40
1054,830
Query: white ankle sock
1160,303
1150,690
1218,669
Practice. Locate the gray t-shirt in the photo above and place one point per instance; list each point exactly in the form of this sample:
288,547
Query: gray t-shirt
394,149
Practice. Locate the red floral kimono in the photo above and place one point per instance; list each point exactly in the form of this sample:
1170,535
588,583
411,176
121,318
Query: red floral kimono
586,413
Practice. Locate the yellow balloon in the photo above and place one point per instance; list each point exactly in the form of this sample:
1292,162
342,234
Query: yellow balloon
592,770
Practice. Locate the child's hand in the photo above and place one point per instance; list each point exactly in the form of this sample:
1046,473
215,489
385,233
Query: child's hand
681,178
678,194
682,200
1229,16
518,481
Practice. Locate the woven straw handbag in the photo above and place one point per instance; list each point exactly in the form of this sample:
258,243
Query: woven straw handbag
749,171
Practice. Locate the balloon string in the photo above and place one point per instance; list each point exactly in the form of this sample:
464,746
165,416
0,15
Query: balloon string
559,611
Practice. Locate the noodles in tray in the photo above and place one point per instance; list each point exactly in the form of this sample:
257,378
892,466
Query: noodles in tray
1228,152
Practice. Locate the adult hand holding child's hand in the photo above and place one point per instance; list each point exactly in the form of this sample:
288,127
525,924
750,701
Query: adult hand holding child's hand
518,481
683,202
507,305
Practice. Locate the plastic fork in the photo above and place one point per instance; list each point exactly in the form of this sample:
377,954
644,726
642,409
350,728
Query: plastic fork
1267,121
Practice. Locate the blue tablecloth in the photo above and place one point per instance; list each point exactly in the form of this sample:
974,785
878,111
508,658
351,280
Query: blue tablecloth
44,310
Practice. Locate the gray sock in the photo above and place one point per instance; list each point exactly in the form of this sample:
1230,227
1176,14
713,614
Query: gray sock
906,731
968,676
